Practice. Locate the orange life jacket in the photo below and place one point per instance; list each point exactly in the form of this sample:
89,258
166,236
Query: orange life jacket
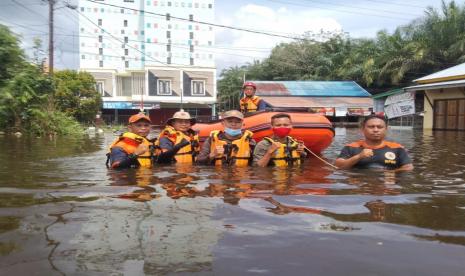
187,153
286,154
128,142
249,104
236,152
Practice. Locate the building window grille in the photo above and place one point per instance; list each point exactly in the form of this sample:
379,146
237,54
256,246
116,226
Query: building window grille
198,88
168,34
164,87
126,39
126,52
125,23
100,51
168,47
168,17
100,38
191,17
100,22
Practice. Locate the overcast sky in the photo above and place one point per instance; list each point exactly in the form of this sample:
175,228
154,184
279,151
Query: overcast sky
359,18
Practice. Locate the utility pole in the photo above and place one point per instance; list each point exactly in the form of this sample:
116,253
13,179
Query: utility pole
51,3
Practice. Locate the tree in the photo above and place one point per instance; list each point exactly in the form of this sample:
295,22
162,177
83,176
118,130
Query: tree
11,55
22,99
76,95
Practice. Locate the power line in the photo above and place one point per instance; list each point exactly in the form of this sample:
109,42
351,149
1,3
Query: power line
335,10
202,22
178,66
358,8
28,9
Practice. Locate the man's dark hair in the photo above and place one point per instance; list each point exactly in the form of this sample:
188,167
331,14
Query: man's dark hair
280,115
373,116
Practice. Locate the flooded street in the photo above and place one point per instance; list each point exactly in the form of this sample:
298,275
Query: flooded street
63,213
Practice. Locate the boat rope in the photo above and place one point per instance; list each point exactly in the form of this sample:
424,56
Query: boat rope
321,159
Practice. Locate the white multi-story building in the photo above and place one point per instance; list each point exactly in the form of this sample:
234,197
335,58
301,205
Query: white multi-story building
151,51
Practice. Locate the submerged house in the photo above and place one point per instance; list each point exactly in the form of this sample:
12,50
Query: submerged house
444,98
335,99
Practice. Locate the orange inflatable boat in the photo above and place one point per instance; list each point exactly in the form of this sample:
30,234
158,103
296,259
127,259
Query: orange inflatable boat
316,131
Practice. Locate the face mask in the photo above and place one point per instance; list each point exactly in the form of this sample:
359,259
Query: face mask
281,132
232,132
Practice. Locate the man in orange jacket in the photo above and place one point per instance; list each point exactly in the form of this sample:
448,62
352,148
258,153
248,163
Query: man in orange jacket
250,102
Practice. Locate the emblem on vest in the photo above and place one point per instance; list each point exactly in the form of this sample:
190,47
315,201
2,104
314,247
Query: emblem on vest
390,157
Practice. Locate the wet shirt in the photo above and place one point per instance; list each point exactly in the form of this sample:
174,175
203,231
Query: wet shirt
388,155
120,159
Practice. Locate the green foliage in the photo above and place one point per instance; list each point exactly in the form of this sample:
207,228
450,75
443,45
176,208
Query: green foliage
29,100
11,56
428,44
76,95
23,97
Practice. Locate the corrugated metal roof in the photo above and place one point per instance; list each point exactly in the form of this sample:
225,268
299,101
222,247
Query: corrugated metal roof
289,102
456,72
437,85
310,88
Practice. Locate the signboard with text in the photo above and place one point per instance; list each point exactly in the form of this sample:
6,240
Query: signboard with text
326,111
358,111
129,105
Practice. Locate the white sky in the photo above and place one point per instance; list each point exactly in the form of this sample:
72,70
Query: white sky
359,18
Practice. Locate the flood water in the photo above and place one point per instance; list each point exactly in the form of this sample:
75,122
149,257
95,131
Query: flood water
63,213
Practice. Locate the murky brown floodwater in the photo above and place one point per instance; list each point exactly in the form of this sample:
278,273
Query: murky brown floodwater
63,213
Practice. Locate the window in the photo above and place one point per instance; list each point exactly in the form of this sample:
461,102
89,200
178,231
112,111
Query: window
168,47
210,6
122,10
168,17
126,51
100,51
126,63
100,38
129,1
169,4
82,9
100,87
100,22
191,35
164,87
198,87
168,34
126,39
125,23
122,31
191,48
83,56
191,17
191,61
168,60
100,63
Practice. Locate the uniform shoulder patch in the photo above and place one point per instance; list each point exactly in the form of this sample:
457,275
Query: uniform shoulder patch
393,145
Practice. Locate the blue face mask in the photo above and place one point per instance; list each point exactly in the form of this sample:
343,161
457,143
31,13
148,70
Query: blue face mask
232,132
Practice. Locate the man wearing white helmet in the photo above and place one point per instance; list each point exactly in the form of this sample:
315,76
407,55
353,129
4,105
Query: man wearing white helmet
250,102
178,142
